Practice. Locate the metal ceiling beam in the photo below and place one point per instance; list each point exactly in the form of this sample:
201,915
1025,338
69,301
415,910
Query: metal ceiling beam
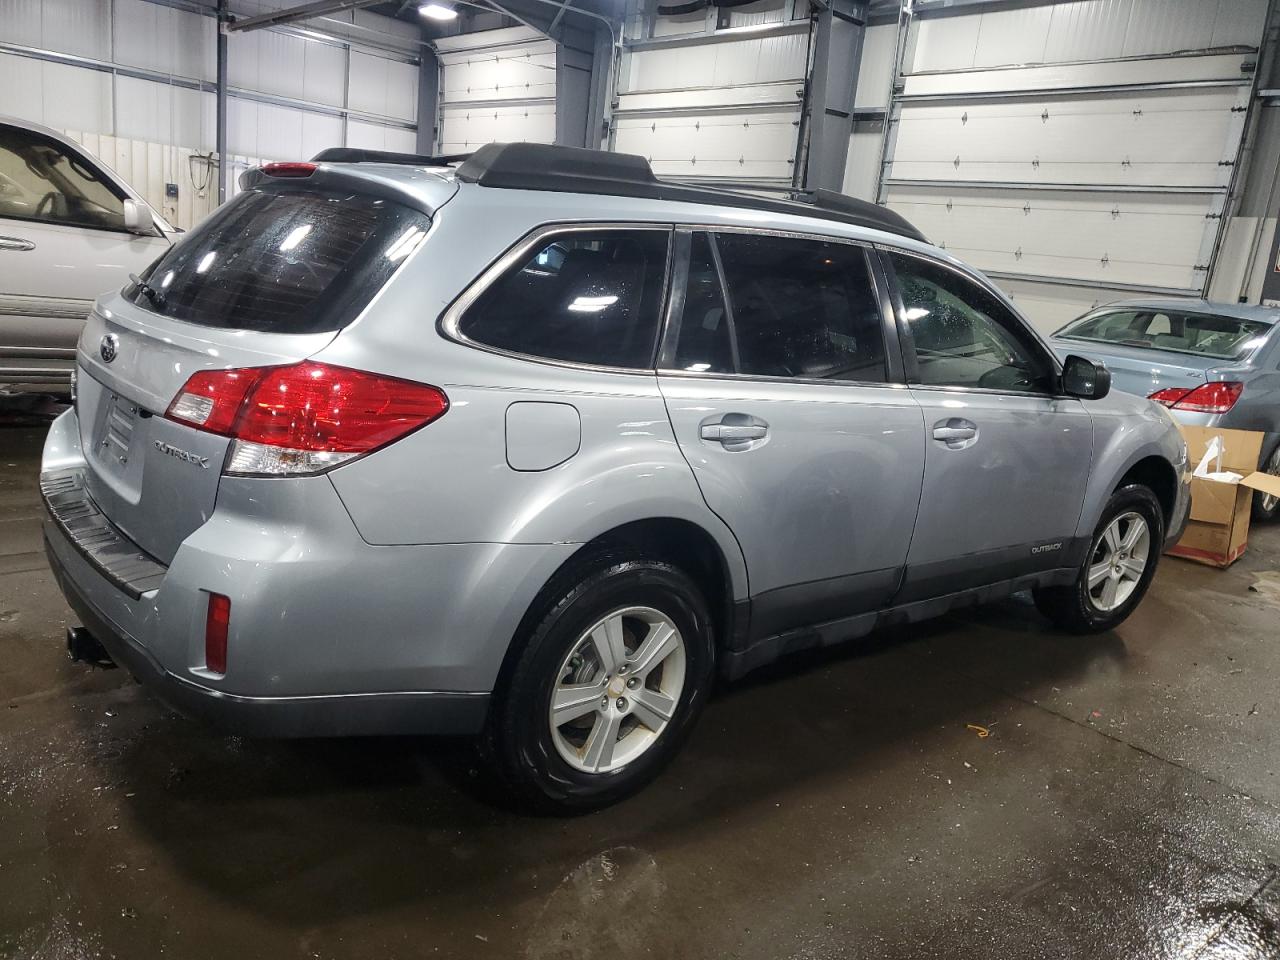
318,8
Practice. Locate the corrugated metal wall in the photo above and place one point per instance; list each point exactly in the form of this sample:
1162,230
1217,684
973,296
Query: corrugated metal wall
496,85
1076,151
293,93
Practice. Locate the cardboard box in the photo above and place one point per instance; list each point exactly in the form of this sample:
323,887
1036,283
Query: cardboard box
1218,530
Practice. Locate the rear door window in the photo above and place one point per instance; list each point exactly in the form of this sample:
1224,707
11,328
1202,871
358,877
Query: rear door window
795,308
581,297
283,259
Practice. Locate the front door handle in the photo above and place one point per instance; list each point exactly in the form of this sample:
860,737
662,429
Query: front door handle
16,243
955,432
734,431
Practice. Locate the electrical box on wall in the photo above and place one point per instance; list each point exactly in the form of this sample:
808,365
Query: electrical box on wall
171,191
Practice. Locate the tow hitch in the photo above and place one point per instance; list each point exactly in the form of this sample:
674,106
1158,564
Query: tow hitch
83,647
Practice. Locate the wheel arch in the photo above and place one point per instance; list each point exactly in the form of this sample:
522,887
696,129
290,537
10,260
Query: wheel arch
1158,475
690,546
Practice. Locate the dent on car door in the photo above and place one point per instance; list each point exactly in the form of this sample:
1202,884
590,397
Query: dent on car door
63,242
1006,457
780,397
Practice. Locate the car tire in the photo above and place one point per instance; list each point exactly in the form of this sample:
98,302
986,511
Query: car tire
1266,507
1118,585
564,769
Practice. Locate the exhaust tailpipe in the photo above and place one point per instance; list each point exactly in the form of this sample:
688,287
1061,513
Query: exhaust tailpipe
83,647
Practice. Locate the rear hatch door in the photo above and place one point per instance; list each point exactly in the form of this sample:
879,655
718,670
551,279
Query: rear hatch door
153,478
269,279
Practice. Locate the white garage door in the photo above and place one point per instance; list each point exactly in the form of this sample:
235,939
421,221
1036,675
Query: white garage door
720,106
1107,171
496,85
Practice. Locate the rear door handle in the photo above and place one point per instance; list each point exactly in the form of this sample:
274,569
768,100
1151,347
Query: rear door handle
725,432
16,243
734,431
955,432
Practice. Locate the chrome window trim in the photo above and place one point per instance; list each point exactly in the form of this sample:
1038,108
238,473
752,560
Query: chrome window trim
867,246
449,320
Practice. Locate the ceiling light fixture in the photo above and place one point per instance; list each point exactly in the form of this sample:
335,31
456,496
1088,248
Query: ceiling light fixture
438,11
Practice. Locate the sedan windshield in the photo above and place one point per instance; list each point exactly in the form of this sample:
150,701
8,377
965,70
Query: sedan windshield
1201,334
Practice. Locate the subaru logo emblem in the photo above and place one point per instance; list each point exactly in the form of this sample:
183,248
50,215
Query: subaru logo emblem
108,347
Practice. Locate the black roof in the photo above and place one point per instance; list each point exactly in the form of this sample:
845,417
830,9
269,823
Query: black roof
539,166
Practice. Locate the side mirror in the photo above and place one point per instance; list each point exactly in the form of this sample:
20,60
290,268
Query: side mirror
1085,379
138,218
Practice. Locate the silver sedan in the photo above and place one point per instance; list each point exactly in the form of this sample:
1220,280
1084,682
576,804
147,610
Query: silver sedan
1211,364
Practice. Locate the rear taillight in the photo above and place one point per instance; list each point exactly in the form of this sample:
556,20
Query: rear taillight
1217,397
217,622
290,168
303,418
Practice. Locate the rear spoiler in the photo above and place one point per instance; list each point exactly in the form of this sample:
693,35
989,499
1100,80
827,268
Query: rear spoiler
356,155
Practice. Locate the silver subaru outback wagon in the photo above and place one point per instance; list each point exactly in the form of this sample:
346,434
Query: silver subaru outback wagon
535,447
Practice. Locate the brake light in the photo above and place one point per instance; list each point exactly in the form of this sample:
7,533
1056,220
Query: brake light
289,168
217,623
1216,397
303,418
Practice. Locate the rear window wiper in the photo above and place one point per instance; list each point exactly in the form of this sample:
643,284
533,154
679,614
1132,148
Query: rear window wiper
154,294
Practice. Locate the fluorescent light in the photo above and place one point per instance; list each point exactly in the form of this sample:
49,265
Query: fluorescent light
591,304
438,11
295,237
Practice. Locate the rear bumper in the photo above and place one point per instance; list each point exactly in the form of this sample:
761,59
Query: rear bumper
311,716
329,635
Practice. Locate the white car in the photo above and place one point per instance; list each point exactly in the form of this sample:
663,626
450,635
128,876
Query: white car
70,230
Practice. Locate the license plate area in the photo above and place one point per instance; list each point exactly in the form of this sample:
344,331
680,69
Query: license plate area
115,438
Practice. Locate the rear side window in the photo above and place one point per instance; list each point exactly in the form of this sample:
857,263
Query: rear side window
283,259
582,297
796,308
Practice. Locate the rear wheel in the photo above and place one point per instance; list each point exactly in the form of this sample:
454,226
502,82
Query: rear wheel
606,687
1266,506
1117,569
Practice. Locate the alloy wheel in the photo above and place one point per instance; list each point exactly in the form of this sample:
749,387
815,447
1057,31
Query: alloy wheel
617,689
1273,467
1118,561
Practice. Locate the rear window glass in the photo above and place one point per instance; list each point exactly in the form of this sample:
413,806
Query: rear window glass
1206,335
583,297
283,259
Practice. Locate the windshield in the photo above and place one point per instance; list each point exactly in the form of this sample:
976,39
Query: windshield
282,258
1201,334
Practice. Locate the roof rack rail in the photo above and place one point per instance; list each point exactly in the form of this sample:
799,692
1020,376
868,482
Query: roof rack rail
356,155
539,166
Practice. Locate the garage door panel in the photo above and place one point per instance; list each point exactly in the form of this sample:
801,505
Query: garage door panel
514,77
1104,140
1142,239
496,85
463,129
739,145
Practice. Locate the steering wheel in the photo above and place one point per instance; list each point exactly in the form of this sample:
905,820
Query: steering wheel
50,199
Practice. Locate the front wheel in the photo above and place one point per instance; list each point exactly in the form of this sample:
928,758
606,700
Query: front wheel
606,687
1117,569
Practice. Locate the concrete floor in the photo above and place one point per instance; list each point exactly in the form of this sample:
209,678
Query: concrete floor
1126,804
